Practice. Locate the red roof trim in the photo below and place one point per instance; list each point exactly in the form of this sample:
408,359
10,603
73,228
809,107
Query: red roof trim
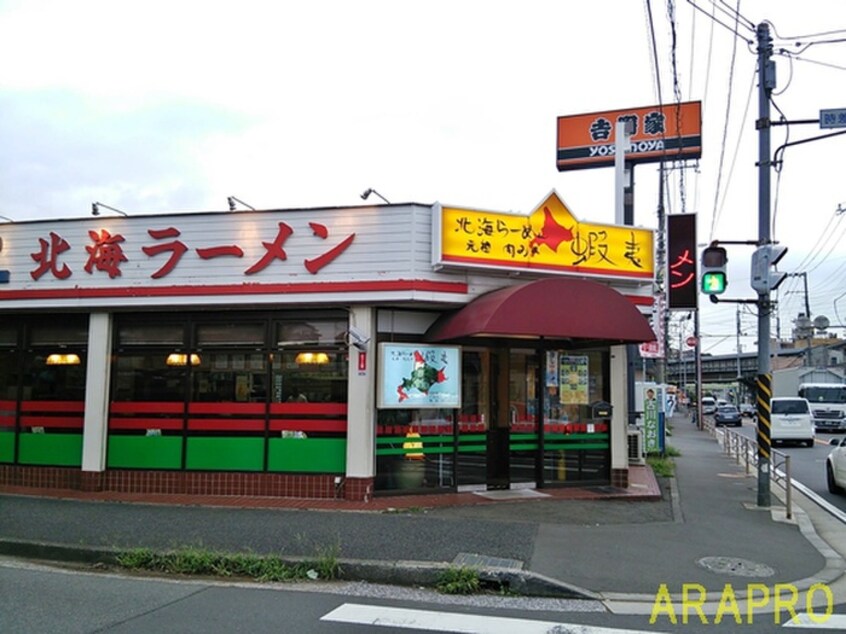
240,289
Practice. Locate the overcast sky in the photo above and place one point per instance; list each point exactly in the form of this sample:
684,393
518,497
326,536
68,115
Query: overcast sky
161,106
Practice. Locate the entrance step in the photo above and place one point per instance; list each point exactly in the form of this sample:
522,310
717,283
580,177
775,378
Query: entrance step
511,494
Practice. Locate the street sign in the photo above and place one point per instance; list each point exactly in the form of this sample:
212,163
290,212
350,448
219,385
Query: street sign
681,260
691,342
833,118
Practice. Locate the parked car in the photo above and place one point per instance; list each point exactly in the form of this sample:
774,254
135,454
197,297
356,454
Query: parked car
727,415
835,466
790,420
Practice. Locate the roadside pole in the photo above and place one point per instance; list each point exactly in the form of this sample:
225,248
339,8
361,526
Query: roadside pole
766,84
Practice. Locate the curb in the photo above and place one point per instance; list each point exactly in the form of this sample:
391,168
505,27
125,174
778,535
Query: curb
402,573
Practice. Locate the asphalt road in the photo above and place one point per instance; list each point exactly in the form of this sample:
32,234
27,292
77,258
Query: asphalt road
38,599
807,464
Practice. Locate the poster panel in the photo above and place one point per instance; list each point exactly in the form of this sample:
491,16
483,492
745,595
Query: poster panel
419,376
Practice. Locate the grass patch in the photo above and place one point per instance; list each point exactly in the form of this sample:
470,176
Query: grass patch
663,464
204,562
463,580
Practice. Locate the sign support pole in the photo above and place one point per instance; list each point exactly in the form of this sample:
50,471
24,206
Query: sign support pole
624,215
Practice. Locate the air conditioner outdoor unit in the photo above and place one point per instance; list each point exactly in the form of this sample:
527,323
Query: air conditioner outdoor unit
636,453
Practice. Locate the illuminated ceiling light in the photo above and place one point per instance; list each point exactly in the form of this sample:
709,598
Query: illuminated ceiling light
369,191
62,359
312,358
95,209
181,359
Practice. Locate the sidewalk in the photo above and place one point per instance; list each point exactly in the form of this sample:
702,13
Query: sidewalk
601,543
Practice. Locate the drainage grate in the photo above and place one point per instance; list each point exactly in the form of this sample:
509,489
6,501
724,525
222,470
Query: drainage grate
482,561
736,566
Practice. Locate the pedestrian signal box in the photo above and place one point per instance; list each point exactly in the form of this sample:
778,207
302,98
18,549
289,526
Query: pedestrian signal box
714,280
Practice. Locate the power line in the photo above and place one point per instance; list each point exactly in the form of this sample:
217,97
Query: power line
656,70
716,212
724,25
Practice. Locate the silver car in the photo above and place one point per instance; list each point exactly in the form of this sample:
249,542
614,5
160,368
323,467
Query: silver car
835,466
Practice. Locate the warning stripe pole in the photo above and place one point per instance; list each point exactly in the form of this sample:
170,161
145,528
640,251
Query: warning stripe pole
764,393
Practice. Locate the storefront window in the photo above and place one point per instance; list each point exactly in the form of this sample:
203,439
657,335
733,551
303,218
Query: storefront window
223,376
414,449
146,376
47,389
8,402
240,393
474,419
230,334
576,447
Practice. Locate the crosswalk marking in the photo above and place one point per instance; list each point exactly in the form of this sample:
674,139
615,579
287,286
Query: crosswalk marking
433,621
833,622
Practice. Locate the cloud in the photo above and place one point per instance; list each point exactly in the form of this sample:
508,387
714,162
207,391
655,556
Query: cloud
62,151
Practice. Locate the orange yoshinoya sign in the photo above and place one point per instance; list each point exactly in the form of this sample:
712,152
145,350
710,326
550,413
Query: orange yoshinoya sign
549,239
672,131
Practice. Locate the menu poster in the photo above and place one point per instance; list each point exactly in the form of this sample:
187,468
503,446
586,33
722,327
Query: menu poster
573,373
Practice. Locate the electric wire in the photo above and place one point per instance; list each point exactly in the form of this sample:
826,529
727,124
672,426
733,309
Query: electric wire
816,62
653,49
806,36
722,24
734,14
715,214
677,95
737,146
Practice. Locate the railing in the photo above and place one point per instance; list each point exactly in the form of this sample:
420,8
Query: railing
745,451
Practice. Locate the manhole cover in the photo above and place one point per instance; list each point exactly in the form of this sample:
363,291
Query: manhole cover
736,566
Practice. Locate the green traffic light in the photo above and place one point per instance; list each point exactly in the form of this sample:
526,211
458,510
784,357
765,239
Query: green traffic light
714,282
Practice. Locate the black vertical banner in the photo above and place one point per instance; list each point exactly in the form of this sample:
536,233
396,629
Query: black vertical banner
682,279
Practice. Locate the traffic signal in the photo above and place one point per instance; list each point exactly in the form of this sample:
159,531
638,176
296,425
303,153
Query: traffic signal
714,279
764,279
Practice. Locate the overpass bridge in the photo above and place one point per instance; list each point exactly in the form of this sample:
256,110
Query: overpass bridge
720,368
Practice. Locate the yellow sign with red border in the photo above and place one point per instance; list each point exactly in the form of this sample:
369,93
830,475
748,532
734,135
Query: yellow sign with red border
549,239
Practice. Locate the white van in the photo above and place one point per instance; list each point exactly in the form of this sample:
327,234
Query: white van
709,405
790,420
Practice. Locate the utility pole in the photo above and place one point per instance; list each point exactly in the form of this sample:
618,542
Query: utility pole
660,363
766,84
739,375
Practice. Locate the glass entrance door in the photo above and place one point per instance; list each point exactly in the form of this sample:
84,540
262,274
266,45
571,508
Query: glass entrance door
498,442
523,438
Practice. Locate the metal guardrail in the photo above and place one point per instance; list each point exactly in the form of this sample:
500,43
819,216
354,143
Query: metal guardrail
745,451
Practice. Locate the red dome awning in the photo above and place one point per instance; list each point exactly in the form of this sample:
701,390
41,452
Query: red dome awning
553,308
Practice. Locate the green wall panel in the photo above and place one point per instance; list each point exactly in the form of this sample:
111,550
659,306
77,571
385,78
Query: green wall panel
144,452
310,455
58,450
7,446
225,454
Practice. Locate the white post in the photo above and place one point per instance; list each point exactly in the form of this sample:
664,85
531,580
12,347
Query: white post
622,143
97,374
361,448
619,414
